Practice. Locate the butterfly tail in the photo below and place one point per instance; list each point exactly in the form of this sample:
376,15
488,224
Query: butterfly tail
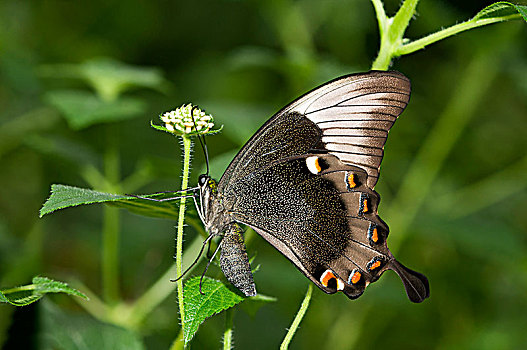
415,284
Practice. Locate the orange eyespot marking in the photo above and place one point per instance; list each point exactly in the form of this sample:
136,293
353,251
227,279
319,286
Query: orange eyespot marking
355,278
326,278
365,208
375,235
317,165
351,180
375,265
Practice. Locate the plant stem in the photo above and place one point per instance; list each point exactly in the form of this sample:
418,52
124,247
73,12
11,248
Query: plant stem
178,342
110,256
19,289
445,33
187,149
391,31
227,335
381,15
111,223
298,318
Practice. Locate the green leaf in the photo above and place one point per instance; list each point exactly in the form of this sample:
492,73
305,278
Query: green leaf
216,297
3,299
501,9
19,298
82,109
108,77
68,331
63,196
25,295
46,285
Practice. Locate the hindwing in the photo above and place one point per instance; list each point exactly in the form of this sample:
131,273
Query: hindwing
305,183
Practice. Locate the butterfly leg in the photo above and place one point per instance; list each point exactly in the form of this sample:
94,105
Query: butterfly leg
234,261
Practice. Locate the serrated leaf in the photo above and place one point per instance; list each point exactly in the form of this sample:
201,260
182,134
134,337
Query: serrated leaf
47,285
20,298
501,9
68,331
25,295
63,196
216,297
82,109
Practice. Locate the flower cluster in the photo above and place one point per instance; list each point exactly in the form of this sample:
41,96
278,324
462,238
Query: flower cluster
187,119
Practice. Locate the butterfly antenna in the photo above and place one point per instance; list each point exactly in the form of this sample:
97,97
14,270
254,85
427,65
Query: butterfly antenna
207,267
196,260
201,139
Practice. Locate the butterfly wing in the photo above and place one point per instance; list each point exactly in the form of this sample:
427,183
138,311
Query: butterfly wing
305,182
353,114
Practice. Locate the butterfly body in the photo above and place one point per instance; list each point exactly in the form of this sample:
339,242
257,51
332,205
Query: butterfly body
305,181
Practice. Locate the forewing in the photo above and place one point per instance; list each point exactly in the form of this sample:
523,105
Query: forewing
353,115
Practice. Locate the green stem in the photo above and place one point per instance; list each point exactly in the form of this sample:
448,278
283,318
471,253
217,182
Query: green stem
178,342
391,31
402,18
96,307
445,33
298,318
187,148
19,289
381,15
111,223
227,335
110,256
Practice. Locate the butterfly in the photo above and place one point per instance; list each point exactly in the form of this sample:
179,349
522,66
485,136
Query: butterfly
305,183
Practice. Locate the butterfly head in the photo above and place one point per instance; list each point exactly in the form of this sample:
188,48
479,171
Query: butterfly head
211,209
207,183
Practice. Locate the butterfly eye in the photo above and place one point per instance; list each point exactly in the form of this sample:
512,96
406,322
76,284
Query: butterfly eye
202,180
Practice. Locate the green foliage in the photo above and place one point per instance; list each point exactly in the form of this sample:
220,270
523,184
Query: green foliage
452,185
83,109
68,331
393,43
108,77
215,298
501,10
63,196
28,294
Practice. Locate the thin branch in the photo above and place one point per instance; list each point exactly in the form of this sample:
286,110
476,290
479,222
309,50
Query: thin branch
445,33
298,318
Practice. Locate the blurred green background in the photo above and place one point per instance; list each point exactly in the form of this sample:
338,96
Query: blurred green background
453,181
